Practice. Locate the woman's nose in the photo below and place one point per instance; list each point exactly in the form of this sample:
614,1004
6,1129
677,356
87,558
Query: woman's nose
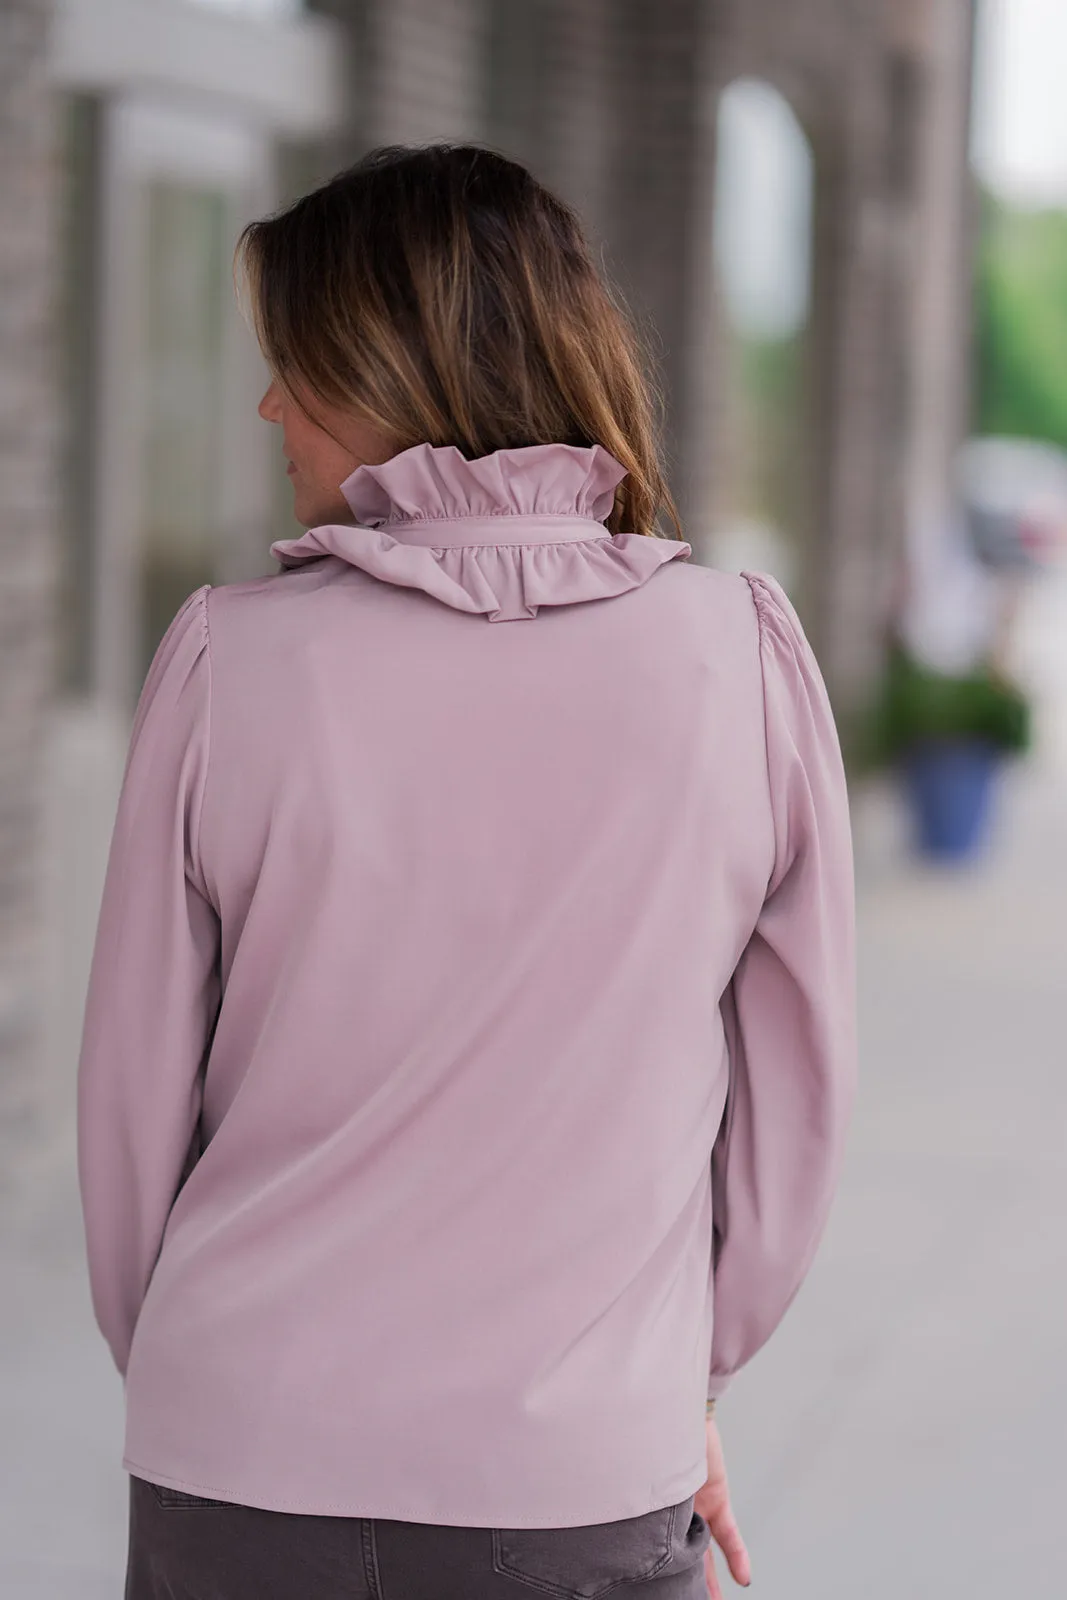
269,408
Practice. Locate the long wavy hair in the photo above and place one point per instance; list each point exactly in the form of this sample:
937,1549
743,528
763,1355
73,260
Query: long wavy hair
442,294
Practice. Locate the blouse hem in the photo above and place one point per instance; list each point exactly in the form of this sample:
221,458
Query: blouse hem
453,1517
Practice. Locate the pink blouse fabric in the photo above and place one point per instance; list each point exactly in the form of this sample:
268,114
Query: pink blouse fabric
470,1039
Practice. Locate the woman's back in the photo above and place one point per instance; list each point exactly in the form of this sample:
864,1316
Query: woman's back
481,922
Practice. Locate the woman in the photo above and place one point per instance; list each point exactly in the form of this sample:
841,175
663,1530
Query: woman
469,1044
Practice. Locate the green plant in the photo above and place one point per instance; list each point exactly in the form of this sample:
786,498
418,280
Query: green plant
1021,322
917,705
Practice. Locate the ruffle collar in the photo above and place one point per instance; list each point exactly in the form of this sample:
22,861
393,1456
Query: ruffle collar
501,535
428,483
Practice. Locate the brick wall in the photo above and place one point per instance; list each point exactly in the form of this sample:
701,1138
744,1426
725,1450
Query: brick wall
613,102
881,89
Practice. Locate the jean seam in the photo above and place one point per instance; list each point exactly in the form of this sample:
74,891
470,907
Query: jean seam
370,1558
547,1586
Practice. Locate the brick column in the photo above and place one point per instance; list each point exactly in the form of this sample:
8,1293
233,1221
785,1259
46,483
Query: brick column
415,71
28,546
658,193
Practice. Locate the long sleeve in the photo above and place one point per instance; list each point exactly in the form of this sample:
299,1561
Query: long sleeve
153,989
789,1013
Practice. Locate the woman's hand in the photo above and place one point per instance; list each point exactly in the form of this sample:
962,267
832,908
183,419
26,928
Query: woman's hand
712,1502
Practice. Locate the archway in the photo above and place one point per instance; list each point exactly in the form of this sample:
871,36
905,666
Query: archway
763,255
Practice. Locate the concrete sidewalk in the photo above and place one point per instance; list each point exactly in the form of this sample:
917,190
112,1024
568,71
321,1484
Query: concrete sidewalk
902,1433
62,1488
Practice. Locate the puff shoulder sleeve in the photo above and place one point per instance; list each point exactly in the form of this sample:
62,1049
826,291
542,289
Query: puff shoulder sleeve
789,1013
153,990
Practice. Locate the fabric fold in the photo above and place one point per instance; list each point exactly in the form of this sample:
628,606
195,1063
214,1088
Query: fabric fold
500,536
439,481
501,581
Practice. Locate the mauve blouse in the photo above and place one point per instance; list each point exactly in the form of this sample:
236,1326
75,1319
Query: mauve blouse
470,1036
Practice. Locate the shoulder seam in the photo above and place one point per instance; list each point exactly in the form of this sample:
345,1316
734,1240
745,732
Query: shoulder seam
205,593
759,598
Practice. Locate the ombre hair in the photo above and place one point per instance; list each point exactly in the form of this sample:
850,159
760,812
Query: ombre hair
445,296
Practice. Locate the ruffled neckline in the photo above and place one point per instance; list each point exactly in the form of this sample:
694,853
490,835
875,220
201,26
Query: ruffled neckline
501,535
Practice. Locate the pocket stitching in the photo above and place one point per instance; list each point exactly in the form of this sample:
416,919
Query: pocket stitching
182,1500
562,1592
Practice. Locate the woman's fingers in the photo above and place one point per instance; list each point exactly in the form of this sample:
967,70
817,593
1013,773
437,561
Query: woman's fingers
711,1575
712,1502
727,1535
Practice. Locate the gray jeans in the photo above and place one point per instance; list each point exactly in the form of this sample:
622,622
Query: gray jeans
183,1547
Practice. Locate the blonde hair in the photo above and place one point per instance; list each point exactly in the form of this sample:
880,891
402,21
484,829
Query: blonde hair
444,295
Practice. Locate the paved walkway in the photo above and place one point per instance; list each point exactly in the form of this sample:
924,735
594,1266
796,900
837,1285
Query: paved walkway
903,1433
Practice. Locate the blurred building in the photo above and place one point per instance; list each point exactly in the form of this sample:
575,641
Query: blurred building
813,348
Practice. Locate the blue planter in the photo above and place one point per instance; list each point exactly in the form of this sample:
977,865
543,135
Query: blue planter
950,784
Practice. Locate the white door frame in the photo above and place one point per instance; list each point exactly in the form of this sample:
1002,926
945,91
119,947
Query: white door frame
286,74
141,141
195,95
